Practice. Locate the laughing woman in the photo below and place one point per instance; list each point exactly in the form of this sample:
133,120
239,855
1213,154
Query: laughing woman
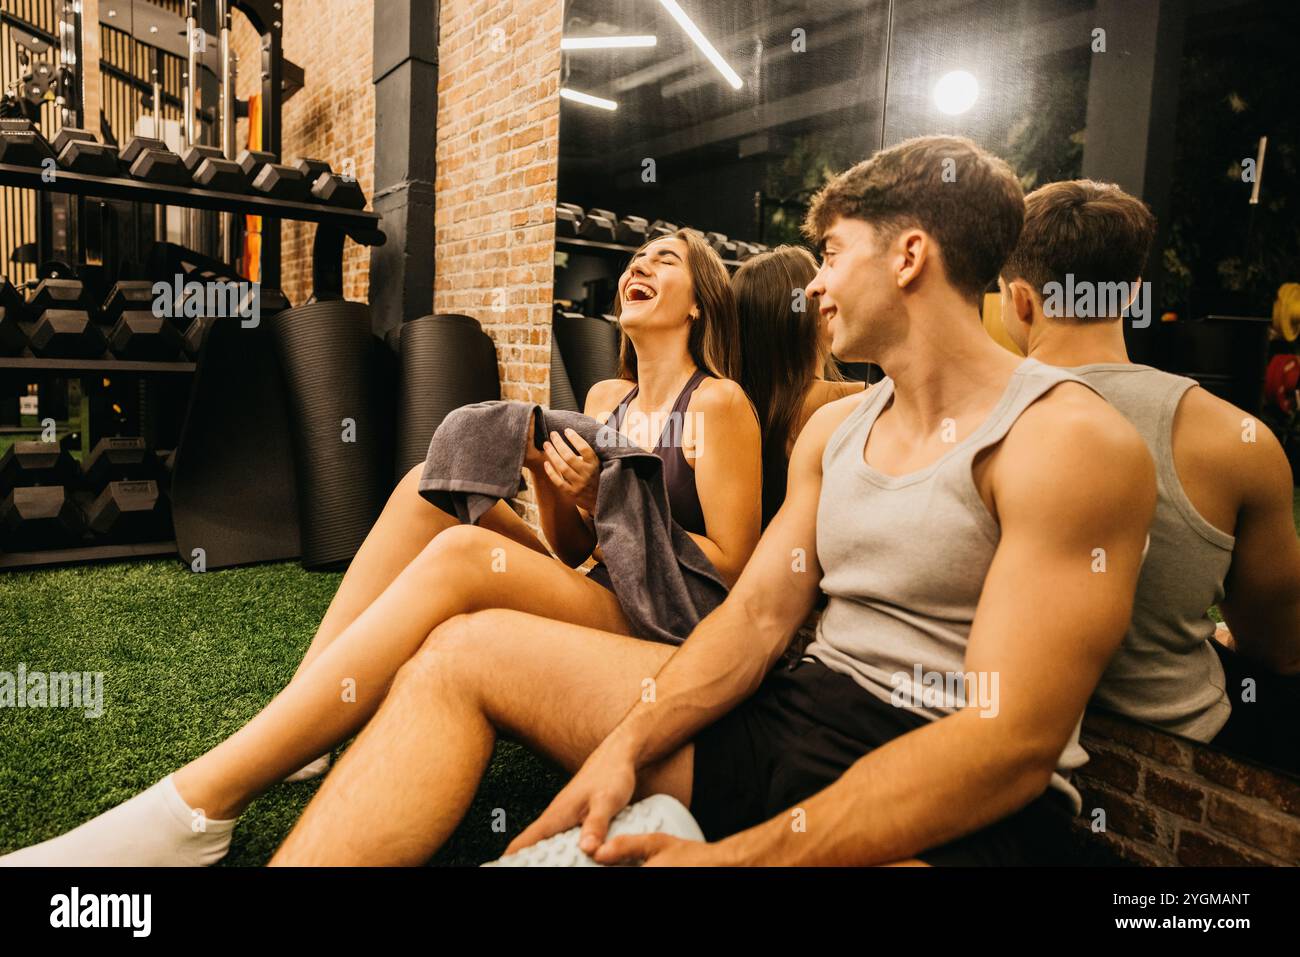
418,567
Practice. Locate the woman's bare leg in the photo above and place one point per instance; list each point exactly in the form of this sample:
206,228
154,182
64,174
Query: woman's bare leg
406,525
464,569
406,783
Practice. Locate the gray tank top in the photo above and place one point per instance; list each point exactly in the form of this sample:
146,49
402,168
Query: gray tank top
1166,673
904,560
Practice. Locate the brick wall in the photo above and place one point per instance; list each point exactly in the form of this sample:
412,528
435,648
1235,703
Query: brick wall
1168,800
498,137
497,148
498,133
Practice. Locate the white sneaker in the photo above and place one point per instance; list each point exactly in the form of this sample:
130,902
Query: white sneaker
658,814
313,770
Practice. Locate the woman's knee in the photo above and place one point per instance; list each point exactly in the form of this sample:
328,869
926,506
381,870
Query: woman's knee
465,551
438,658
454,650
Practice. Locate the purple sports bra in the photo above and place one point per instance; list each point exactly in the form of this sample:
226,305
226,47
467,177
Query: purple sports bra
679,477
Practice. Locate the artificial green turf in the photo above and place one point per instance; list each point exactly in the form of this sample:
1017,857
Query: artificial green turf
187,660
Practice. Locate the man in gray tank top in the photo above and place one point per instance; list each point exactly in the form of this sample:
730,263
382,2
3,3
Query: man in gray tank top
1223,531
978,523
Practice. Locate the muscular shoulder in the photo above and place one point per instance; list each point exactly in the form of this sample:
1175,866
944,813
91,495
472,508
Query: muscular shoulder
1072,450
1215,443
821,425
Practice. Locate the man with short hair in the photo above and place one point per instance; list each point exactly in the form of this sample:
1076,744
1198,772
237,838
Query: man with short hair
954,513
1223,531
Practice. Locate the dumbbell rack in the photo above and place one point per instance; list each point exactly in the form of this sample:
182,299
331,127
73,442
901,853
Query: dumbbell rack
334,225
614,247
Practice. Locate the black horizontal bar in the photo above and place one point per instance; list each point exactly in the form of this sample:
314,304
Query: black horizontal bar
26,363
20,24
145,87
64,556
614,247
361,225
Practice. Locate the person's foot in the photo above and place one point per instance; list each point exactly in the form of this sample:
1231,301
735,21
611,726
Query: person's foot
156,828
313,770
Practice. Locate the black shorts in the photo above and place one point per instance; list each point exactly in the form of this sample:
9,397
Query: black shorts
600,575
800,731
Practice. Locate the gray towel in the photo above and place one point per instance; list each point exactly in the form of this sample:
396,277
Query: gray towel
662,579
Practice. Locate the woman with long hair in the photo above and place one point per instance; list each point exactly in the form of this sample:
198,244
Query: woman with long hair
786,364
418,566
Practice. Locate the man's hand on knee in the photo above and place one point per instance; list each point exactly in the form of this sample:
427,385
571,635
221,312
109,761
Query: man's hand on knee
603,786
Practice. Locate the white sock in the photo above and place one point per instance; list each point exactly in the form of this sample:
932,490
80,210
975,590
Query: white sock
156,828
313,770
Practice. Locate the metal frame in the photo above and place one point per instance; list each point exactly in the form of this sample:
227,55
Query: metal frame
361,225
406,94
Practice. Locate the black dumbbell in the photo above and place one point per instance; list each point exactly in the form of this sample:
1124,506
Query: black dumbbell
600,225
195,335
250,163
282,182
127,294
41,517
65,334
36,463
138,144
129,511
194,156
118,459
13,310
54,293
12,299
88,156
632,230
334,190
568,217
12,337
661,228
160,167
22,144
311,169
69,134
222,175
144,337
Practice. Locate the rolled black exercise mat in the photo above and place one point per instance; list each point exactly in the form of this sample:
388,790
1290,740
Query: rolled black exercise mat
233,489
327,354
590,351
447,361
562,396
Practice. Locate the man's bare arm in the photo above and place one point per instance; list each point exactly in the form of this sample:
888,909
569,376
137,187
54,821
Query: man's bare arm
1262,603
730,652
1066,486
722,661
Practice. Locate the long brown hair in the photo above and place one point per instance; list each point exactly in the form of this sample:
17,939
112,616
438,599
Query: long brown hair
713,341
782,352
